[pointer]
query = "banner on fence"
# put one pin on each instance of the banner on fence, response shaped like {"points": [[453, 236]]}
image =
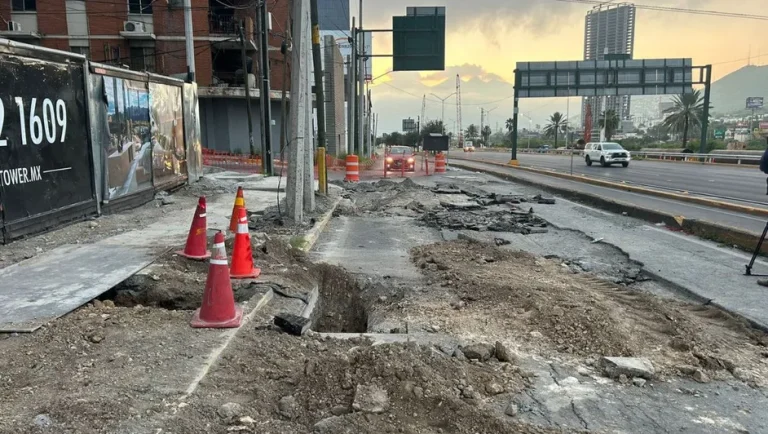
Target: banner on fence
{"points": [[44, 151], [169, 156]]}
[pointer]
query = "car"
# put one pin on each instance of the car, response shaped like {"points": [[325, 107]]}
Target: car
{"points": [[400, 158], [469, 148], [606, 153], [543, 149]]}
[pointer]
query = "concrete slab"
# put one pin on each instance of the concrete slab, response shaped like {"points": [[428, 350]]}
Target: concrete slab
{"points": [[50, 285]]}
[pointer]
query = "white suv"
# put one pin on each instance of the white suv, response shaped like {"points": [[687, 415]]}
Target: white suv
{"points": [[606, 153]]}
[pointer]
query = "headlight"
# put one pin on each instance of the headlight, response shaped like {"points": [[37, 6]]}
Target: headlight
{"points": [[389, 159], [410, 160]]}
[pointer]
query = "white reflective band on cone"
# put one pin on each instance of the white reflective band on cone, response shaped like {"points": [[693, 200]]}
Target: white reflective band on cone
{"points": [[352, 164], [219, 262], [218, 246], [242, 228], [352, 173], [202, 215]]}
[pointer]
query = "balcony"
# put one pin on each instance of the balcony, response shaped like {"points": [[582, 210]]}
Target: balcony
{"points": [[224, 31]]}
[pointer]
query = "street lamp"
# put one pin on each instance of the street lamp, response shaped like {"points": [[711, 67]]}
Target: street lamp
{"points": [[442, 114], [530, 127]]}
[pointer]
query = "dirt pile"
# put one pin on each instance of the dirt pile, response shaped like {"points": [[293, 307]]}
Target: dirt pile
{"points": [[542, 303], [299, 385]]}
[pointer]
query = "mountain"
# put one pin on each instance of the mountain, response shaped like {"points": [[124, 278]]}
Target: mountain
{"points": [[729, 94]]}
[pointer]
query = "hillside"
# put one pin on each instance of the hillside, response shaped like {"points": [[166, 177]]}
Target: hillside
{"points": [[729, 94]]}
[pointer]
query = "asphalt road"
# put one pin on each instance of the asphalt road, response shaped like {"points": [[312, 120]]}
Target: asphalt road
{"points": [[734, 183]]}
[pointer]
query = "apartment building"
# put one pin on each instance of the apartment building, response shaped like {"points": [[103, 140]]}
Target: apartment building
{"points": [[148, 35]]}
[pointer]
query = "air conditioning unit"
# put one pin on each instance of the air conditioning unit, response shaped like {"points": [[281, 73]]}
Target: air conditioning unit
{"points": [[14, 26], [134, 26]]}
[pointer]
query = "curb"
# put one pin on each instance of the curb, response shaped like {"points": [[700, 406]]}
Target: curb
{"points": [[701, 228], [314, 234], [760, 212]]}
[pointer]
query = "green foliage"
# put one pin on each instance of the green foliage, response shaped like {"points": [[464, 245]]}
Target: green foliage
{"points": [[556, 124], [472, 132], [687, 113]]}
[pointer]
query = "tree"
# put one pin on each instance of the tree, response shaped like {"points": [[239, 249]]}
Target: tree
{"points": [[510, 125], [610, 122], [411, 139], [472, 132], [556, 123], [487, 134], [687, 112], [431, 127], [393, 139]]}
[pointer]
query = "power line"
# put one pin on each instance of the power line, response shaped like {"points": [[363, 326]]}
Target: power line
{"points": [[680, 10]]}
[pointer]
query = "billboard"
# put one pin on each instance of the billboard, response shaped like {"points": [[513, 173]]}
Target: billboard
{"points": [[754, 102], [45, 159], [333, 14], [410, 125]]}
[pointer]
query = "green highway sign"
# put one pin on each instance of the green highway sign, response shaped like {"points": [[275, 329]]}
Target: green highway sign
{"points": [[720, 134], [418, 40]]}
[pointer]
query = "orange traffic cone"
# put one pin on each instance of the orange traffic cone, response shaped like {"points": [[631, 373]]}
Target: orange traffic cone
{"points": [[239, 204], [218, 309], [242, 255], [197, 240]]}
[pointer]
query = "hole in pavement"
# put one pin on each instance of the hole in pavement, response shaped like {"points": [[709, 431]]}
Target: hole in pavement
{"points": [[340, 308], [174, 283]]}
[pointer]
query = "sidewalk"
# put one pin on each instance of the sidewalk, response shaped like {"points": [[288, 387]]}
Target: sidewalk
{"points": [[53, 283]]}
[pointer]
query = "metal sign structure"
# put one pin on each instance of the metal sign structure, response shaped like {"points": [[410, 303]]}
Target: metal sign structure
{"points": [[613, 77], [418, 40], [754, 102]]}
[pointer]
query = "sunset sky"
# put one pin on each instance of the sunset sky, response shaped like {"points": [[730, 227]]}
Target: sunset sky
{"points": [[485, 38]]}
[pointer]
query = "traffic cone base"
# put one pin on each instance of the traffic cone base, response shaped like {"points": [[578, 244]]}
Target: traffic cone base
{"points": [[255, 272], [197, 258], [235, 322]]}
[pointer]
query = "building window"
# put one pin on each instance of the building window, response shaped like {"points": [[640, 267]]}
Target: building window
{"points": [[85, 51], [24, 5], [140, 7], [143, 59]]}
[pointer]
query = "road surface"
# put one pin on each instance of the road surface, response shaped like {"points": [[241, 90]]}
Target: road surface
{"points": [[739, 184]]}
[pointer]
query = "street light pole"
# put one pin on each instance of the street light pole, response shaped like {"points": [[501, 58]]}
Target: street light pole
{"points": [[442, 114]]}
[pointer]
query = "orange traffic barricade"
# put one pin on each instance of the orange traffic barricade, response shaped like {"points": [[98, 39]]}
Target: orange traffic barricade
{"points": [[440, 163], [353, 169]]}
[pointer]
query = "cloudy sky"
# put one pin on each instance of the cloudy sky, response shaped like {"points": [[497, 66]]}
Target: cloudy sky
{"points": [[485, 38]]}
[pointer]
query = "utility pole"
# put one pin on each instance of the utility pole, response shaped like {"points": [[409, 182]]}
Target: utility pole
{"points": [[251, 147], [351, 95], [188, 36], [361, 82], [294, 190], [368, 122], [258, 78], [482, 120], [318, 68], [265, 87]]}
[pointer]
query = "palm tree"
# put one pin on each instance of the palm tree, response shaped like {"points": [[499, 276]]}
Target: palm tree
{"points": [[610, 122], [472, 132], [687, 112], [556, 123], [510, 125]]}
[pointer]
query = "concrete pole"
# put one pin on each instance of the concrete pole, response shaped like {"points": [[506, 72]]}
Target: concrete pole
{"points": [[188, 36], [309, 148], [361, 82], [350, 105], [294, 190]]}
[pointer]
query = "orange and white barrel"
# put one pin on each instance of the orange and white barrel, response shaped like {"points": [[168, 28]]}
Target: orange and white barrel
{"points": [[440, 163], [353, 169]]}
